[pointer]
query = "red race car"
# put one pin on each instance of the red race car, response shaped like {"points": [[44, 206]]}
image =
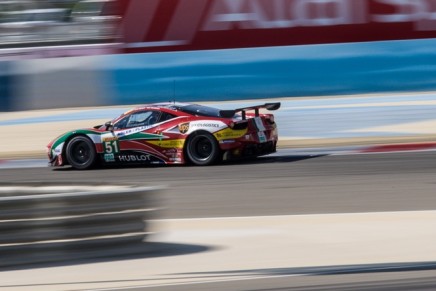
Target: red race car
{"points": [[170, 133]]}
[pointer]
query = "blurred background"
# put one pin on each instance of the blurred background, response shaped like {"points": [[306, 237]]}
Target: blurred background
{"points": [[40, 23], [350, 74], [110, 52]]}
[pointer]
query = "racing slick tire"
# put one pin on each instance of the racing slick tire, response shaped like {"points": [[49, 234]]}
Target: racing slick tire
{"points": [[80, 153], [202, 149]]}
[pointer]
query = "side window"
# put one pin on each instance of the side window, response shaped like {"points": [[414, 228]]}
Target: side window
{"points": [[143, 118], [137, 119], [121, 123], [166, 116]]}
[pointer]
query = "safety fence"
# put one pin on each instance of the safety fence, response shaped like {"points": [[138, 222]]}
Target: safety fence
{"points": [[51, 222]]}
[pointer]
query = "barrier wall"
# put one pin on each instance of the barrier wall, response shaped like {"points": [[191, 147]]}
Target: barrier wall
{"points": [[5, 86], [212, 75], [51, 222], [59, 83], [309, 70]]}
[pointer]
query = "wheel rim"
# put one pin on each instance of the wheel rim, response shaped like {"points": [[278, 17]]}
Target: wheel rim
{"points": [[80, 152], [201, 148]]}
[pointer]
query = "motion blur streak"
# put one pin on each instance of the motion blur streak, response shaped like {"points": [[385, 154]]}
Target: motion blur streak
{"points": [[350, 218], [307, 215]]}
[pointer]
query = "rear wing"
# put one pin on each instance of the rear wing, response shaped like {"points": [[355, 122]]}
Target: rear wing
{"points": [[231, 113]]}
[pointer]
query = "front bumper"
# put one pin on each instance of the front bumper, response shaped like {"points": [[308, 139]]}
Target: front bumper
{"points": [[55, 160]]}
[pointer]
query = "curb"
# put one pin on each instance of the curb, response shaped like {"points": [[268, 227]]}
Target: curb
{"points": [[400, 147]]}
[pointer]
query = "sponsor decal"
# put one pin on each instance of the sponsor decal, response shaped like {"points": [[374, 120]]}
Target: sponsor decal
{"points": [[229, 133], [227, 141], [215, 125], [109, 157], [134, 130], [110, 138], [173, 144], [134, 158], [170, 151], [262, 136], [211, 126], [184, 127], [173, 155]]}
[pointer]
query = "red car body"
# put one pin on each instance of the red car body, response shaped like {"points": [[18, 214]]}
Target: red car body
{"points": [[170, 133]]}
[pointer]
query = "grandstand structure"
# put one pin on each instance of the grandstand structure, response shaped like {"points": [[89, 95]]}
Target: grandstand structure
{"points": [[46, 23]]}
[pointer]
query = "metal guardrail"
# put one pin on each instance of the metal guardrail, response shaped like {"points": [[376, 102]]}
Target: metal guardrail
{"points": [[42, 222]]}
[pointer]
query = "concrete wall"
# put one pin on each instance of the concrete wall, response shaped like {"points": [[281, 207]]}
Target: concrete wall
{"points": [[58, 82], [309, 70]]}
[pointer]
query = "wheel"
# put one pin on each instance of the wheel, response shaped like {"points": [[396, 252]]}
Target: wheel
{"points": [[202, 149], [81, 153]]}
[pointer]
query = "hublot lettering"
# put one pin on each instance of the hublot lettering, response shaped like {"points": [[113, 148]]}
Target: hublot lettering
{"points": [[134, 158]]}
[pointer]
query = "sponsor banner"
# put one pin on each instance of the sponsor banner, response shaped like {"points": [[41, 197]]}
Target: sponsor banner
{"points": [[180, 25]]}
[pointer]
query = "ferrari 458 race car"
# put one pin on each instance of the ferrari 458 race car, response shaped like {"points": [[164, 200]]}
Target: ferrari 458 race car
{"points": [[170, 133]]}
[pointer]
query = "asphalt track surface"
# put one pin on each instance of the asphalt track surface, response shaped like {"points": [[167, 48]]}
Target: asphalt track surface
{"points": [[286, 185], [275, 185]]}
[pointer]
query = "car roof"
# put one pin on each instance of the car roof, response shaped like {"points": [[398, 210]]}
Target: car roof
{"points": [[187, 108]]}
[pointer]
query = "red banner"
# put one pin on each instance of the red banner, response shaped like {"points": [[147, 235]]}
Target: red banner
{"points": [[175, 25]]}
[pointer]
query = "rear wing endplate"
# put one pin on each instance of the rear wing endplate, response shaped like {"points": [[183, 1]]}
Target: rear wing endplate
{"points": [[268, 106]]}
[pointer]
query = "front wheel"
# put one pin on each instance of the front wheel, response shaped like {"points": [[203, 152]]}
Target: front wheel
{"points": [[81, 153], [202, 149]]}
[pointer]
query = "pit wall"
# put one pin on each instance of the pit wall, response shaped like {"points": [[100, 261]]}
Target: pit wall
{"points": [[214, 75]]}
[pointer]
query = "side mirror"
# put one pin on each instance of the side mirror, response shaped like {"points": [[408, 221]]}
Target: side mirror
{"points": [[109, 126]]}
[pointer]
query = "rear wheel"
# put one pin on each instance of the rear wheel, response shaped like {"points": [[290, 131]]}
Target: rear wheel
{"points": [[202, 149], [80, 153]]}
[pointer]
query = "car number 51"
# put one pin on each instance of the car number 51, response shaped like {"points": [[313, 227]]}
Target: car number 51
{"points": [[111, 147]]}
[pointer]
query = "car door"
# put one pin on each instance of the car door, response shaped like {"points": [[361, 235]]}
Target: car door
{"points": [[132, 134]]}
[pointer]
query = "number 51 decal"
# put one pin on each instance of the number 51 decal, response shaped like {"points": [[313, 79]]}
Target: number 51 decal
{"points": [[111, 147]]}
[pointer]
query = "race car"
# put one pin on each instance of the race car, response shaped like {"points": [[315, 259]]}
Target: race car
{"points": [[170, 133]]}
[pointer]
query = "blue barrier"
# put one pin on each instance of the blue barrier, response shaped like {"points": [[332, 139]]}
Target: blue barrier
{"points": [[5, 86], [219, 75], [310, 70]]}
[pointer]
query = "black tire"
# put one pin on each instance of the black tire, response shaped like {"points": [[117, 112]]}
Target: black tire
{"points": [[202, 149], [80, 153]]}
